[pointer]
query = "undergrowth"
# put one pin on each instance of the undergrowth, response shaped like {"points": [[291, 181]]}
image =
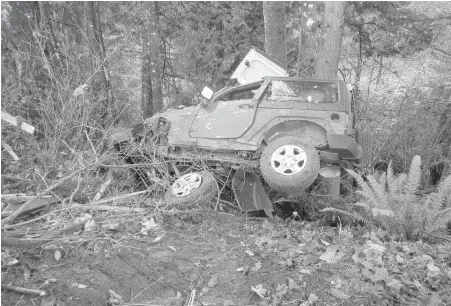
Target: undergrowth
{"points": [[392, 203]]}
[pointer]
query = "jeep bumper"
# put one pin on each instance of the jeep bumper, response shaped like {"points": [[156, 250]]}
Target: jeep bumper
{"points": [[345, 146]]}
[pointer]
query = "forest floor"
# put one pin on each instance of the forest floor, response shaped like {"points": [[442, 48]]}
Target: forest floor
{"points": [[228, 259]]}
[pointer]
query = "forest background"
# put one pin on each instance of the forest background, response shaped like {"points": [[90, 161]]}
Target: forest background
{"points": [[80, 70]]}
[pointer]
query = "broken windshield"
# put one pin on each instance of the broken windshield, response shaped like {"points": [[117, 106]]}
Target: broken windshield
{"points": [[311, 92]]}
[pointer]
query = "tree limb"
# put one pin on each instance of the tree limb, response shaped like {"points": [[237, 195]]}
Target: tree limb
{"points": [[15, 214]]}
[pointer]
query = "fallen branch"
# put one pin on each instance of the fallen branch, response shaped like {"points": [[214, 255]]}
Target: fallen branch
{"points": [[36, 243], [104, 186], [71, 197], [17, 198], [23, 290], [12, 178], [110, 208], [230, 204], [10, 151], [118, 197], [13, 121], [92, 205], [34, 206], [15, 214]]}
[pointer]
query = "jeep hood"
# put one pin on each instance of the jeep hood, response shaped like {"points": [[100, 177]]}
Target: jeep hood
{"points": [[256, 65], [180, 120]]}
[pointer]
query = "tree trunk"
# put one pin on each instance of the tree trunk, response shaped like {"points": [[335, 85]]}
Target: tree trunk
{"points": [[146, 79], [79, 23], [330, 45], [308, 41], [275, 38], [102, 81], [151, 66]]}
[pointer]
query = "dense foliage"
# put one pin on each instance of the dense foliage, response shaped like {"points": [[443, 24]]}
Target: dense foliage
{"points": [[73, 67]]}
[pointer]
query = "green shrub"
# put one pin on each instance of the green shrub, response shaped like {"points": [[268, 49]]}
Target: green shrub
{"points": [[392, 204]]}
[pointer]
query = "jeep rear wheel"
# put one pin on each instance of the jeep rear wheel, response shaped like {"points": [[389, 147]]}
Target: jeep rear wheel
{"points": [[290, 165]]}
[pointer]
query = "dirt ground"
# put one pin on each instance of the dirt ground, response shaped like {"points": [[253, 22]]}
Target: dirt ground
{"points": [[220, 255], [227, 258]]}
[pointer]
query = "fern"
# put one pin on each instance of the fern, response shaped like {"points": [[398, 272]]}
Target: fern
{"points": [[392, 203], [399, 183], [414, 178], [366, 190], [378, 191], [444, 193], [438, 206], [391, 180], [439, 221]]}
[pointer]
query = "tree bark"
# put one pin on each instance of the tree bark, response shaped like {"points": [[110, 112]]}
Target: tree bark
{"points": [[152, 95], [330, 42], [146, 79], [275, 36], [79, 23], [102, 81], [308, 41]]}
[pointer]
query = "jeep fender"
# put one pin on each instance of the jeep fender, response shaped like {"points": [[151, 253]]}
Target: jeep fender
{"points": [[312, 132]]}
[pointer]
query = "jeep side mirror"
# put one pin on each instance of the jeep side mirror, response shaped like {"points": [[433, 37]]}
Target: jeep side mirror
{"points": [[207, 93]]}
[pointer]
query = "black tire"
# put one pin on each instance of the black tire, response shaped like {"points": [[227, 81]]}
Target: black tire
{"points": [[295, 183], [203, 194], [365, 139]]}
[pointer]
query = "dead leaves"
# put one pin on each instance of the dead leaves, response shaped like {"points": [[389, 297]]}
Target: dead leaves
{"points": [[332, 254]]}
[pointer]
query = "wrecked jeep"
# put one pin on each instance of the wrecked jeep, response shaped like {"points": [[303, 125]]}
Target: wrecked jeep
{"points": [[281, 127]]}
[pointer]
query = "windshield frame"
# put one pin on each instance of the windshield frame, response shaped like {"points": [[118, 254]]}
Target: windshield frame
{"points": [[227, 90]]}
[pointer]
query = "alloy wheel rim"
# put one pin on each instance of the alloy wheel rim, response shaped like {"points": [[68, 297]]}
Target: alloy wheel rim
{"points": [[186, 184], [288, 160]]}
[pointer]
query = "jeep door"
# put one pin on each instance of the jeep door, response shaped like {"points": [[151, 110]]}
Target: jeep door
{"points": [[227, 115]]}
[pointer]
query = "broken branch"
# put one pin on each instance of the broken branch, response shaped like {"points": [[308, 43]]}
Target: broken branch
{"points": [[10, 150], [14, 121], [104, 186], [15, 214], [87, 206], [23, 290]]}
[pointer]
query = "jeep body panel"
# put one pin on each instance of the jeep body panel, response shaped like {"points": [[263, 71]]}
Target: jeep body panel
{"points": [[244, 124], [228, 119], [180, 123]]}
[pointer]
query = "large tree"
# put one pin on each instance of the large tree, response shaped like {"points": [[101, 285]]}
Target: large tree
{"points": [[275, 35], [152, 95], [330, 42], [100, 65]]}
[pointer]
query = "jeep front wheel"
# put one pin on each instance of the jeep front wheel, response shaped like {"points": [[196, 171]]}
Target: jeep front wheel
{"points": [[289, 165], [192, 189]]}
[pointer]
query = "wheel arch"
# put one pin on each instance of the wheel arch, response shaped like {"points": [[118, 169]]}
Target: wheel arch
{"points": [[312, 132]]}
